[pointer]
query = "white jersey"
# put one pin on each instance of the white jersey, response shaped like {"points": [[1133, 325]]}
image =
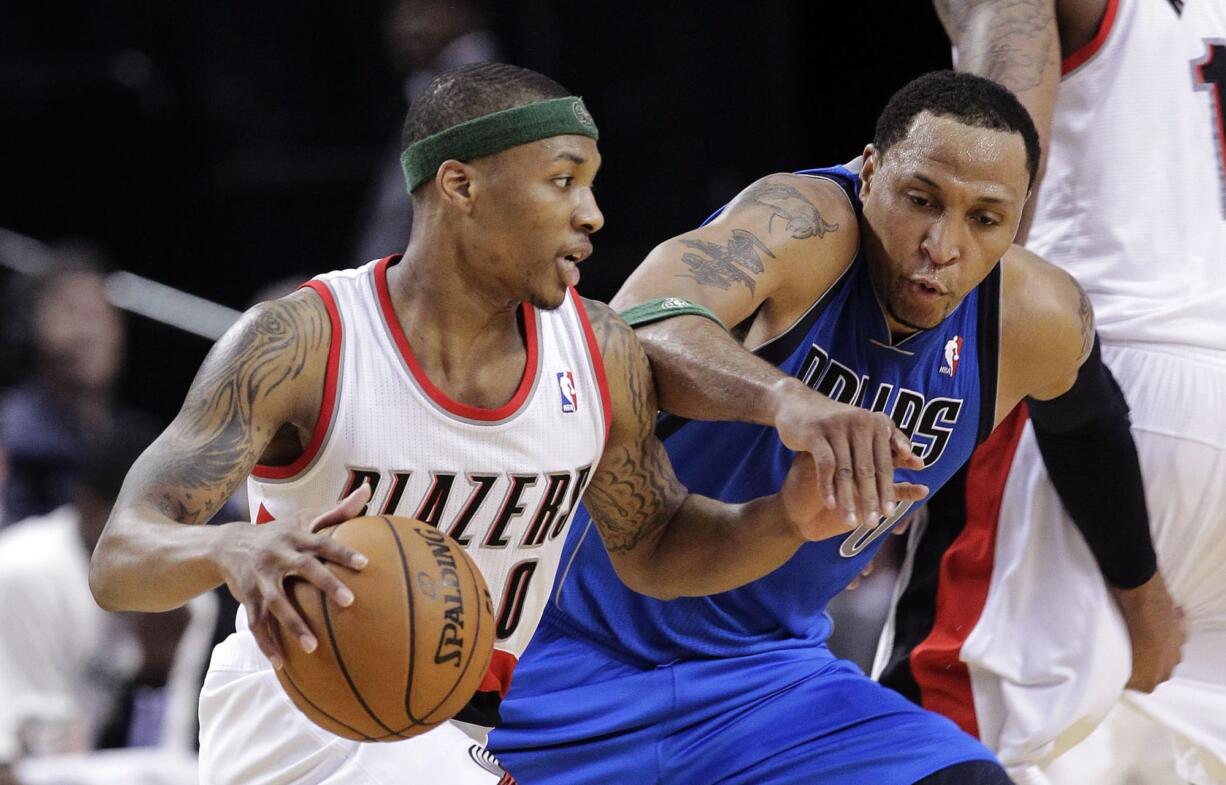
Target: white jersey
{"points": [[1134, 200], [503, 482]]}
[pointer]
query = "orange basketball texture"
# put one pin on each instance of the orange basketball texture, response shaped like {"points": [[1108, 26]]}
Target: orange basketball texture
{"points": [[412, 648]]}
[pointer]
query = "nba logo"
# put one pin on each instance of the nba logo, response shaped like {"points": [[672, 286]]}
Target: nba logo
{"points": [[566, 386], [953, 353]]}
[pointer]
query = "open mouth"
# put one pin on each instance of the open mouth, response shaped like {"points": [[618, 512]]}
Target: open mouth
{"points": [[577, 253], [568, 265], [926, 288]]}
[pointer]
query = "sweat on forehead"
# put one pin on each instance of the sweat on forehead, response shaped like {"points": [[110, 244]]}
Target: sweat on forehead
{"points": [[942, 144], [965, 98]]}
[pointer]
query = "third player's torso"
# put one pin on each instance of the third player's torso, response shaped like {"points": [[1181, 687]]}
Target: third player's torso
{"points": [[1134, 200]]}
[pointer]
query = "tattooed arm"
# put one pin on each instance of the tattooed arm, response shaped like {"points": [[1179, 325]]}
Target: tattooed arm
{"points": [[664, 541], [1016, 43], [781, 243], [264, 378], [763, 263]]}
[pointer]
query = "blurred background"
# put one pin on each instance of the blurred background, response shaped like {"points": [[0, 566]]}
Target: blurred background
{"points": [[231, 150], [222, 146]]}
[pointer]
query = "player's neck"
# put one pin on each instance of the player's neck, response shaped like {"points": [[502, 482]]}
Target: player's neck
{"points": [[437, 282], [898, 330], [452, 325]]}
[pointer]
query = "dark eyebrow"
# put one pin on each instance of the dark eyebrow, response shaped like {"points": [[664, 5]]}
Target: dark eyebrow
{"points": [[572, 157], [931, 183]]}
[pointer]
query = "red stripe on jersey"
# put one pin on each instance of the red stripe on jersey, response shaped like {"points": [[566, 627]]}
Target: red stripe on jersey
{"points": [[963, 580], [593, 347], [1090, 48], [262, 515], [438, 396], [498, 676], [328, 403]]}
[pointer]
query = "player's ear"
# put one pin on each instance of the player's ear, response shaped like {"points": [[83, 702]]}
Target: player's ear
{"points": [[868, 168], [454, 180]]}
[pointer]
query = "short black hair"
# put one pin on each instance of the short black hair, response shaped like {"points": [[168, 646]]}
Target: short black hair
{"points": [[470, 91], [969, 99]]}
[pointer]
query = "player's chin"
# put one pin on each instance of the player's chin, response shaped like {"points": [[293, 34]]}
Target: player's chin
{"points": [[919, 317], [548, 300]]}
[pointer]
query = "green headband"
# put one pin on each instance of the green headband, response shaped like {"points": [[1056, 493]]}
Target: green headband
{"points": [[495, 132]]}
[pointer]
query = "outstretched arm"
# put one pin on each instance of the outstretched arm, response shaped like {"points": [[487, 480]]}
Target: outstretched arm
{"points": [[1080, 421], [265, 373], [664, 541], [764, 262]]}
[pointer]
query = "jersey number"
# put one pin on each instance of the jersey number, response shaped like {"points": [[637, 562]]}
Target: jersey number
{"points": [[1209, 74], [865, 534]]}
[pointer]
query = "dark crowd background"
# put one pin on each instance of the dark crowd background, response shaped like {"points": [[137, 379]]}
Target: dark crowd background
{"points": [[219, 146]]}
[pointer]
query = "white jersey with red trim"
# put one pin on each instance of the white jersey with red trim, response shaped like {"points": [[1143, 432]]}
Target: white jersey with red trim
{"points": [[1133, 203], [503, 482]]}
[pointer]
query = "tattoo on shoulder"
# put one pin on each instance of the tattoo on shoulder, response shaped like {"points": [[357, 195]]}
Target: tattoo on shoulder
{"points": [[607, 326], [1004, 53], [744, 256], [634, 491], [1085, 313], [214, 441], [801, 217]]}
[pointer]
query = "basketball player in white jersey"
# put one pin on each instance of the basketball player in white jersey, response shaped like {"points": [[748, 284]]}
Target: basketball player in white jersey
{"points": [[464, 383], [1129, 97]]}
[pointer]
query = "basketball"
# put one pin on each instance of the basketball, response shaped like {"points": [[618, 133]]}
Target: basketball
{"points": [[412, 648]]}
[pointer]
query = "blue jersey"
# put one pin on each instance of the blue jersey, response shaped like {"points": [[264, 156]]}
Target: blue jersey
{"points": [[938, 385]]}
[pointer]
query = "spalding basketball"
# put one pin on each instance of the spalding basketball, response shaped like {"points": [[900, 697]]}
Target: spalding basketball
{"points": [[411, 649]]}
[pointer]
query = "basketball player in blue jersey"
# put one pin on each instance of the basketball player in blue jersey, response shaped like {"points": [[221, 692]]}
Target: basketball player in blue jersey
{"points": [[889, 285]]}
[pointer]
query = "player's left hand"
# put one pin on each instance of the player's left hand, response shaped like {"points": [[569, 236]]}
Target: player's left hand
{"points": [[806, 508], [1157, 629]]}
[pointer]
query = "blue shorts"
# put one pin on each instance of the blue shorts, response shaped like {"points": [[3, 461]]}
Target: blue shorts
{"points": [[575, 715]]}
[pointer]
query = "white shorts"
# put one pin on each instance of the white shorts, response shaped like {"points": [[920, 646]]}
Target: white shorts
{"points": [[251, 734], [1049, 656]]}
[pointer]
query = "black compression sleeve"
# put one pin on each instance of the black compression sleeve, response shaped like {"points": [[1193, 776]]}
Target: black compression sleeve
{"points": [[1087, 446]]}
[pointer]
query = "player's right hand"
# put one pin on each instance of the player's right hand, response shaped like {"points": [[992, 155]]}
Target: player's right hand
{"points": [[1156, 629], [855, 451], [256, 560]]}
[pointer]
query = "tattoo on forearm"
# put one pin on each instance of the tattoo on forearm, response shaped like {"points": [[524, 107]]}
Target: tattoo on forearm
{"points": [[213, 441], [1011, 47], [720, 265], [634, 492], [801, 218]]}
